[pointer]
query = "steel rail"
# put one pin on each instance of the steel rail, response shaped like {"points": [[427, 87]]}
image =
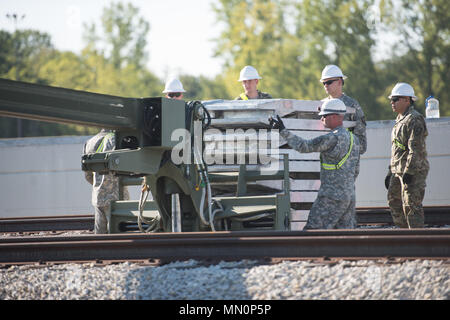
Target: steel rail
{"points": [[437, 215], [415, 243], [365, 216], [47, 223]]}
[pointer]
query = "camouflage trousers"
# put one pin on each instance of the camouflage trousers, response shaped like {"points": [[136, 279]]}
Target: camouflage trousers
{"points": [[327, 213], [405, 201], [102, 219]]}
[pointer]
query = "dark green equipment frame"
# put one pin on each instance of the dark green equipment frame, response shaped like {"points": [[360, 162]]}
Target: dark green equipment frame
{"points": [[143, 129]]}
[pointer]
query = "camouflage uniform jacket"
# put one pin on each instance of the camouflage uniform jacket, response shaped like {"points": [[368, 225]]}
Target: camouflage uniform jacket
{"points": [[261, 95], [360, 121], [105, 187], [338, 184], [409, 153]]}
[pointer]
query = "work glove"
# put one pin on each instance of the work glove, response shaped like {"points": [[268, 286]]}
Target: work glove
{"points": [[387, 180], [276, 123], [407, 178]]}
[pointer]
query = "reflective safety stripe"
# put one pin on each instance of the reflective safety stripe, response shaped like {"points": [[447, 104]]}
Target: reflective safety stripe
{"points": [[101, 147], [243, 96], [399, 144], [327, 166]]}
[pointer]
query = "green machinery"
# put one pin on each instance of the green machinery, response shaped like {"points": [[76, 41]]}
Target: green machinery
{"points": [[183, 200]]}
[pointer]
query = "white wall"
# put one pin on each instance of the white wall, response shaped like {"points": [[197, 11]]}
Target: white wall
{"points": [[370, 190], [43, 176]]}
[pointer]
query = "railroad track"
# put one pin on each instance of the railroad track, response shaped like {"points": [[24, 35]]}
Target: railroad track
{"points": [[366, 216], [380, 243], [433, 216], [48, 223]]}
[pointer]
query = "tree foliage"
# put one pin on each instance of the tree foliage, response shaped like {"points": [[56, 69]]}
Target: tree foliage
{"points": [[254, 35], [288, 41], [423, 52], [29, 55], [123, 37]]}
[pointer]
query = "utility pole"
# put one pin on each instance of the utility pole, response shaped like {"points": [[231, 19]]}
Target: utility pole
{"points": [[15, 18]]}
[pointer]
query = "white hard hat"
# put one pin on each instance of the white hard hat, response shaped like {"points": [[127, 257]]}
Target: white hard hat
{"points": [[248, 73], [331, 106], [332, 71], [173, 85], [403, 89]]}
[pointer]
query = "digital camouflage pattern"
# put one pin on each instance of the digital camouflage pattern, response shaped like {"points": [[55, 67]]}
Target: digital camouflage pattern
{"points": [[328, 213], [360, 121], [105, 188], [335, 203], [408, 155], [102, 217], [261, 95]]}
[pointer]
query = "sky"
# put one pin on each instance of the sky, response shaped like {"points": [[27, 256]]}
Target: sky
{"points": [[180, 40]]}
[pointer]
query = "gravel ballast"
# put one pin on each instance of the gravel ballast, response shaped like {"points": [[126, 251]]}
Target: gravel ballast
{"points": [[355, 280]]}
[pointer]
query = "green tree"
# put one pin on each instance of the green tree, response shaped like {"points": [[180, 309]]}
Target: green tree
{"points": [[290, 42], [124, 36], [422, 51], [22, 54], [113, 62], [116, 57], [339, 32], [129, 81], [253, 35], [203, 88], [65, 69]]}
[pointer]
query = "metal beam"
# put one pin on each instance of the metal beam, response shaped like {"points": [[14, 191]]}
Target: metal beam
{"points": [[416, 243], [45, 103]]}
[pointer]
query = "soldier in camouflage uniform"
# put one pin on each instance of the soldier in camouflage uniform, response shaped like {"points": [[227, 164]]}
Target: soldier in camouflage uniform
{"points": [[334, 207], [250, 79], [105, 188], [409, 165], [333, 81]]}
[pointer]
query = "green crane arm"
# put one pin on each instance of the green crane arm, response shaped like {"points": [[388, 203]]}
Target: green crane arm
{"points": [[46, 103]]}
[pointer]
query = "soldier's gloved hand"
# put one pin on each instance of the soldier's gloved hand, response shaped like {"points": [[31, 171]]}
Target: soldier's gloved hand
{"points": [[387, 181], [276, 123], [407, 178]]}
